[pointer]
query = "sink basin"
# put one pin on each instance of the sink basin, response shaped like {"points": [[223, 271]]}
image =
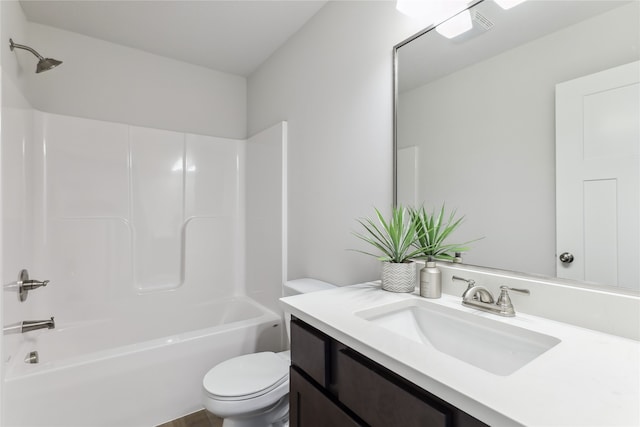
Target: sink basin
{"points": [[494, 346]]}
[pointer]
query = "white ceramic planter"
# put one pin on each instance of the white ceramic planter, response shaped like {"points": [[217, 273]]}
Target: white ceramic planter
{"points": [[398, 277]]}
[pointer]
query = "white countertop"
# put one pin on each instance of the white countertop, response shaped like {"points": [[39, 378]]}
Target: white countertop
{"points": [[589, 379]]}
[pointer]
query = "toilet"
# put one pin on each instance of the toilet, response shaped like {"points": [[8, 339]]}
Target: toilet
{"points": [[252, 390]]}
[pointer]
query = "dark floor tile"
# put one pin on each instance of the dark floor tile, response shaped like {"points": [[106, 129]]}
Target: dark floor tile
{"points": [[197, 419]]}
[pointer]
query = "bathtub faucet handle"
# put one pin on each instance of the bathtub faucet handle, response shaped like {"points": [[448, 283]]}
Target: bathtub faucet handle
{"points": [[25, 284], [34, 284]]}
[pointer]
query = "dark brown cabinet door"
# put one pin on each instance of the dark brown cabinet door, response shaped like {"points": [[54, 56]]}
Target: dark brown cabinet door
{"points": [[381, 402], [309, 351], [309, 407]]}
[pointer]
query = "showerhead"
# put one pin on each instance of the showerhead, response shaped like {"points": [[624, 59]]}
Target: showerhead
{"points": [[47, 64], [44, 64]]}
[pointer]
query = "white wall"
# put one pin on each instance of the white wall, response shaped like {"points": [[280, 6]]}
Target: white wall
{"points": [[13, 25], [486, 138], [106, 81], [332, 82]]}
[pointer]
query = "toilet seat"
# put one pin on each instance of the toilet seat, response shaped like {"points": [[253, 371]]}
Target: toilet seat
{"points": [[247, 385], [246, 377]]}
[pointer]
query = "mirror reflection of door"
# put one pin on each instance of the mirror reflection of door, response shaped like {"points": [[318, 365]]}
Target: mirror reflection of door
{"points": [[598, 183]]}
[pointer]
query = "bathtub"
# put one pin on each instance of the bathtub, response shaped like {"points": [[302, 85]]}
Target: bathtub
{"points": [[131, 371]]}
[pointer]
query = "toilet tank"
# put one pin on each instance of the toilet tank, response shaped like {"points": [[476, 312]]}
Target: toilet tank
{"points": [[301, 286]]}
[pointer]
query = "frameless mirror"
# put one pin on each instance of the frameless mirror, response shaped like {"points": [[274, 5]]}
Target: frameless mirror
{"points": [[528, 125]]}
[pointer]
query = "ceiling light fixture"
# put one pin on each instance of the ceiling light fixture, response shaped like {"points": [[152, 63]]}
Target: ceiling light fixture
{"points": [[508, 4], [461, 23]]}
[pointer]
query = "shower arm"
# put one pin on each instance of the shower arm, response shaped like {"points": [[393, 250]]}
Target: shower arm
{"points": [[13, 45]]}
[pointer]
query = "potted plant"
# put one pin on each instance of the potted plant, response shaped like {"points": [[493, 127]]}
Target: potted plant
{"points": [[395, 239]]}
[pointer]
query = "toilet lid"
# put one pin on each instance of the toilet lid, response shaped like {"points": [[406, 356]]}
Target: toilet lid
{"points": [[247, 376]]}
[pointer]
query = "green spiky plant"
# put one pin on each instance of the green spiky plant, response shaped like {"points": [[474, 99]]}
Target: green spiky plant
{"points": [[395, 238], [432, 229]]}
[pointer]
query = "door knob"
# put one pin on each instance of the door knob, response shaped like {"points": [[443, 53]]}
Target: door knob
{"points": [[566, 257]]}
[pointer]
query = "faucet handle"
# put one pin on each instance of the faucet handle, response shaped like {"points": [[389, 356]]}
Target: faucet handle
{"points": [[504, 301], [25, 284], [34, 284], [504, 289], [470, 282]]}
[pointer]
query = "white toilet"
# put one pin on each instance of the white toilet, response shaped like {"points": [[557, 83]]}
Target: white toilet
{"points": [[253, 390]]}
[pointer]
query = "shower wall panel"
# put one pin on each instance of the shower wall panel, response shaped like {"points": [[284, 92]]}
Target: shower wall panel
{"points": [[133, 217], [214, 222], [17, 181], [157, 208], [266, 218]]}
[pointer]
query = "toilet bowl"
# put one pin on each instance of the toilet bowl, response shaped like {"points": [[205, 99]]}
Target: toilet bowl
{"points": [[252, 390]]}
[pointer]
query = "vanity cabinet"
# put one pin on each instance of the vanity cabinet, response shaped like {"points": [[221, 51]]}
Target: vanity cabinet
{"points": [[334, 385]]}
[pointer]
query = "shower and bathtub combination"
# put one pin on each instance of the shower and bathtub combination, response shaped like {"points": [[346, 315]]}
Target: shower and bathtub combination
{"points": [[145, 238]]}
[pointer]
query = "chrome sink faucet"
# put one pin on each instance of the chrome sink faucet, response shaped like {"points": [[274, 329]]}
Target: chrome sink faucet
{"points": [[480, 297], [475, 293]]}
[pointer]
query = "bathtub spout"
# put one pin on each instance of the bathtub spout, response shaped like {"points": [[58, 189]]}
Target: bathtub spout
{"points": [[30, 325]]}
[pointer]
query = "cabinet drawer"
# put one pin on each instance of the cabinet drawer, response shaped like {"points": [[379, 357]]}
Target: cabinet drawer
{"points": [[380, 400], [309, 407], [310, 351]]}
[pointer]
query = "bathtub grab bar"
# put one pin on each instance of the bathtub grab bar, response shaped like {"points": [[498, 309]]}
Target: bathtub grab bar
{"points": [[29, 325]]}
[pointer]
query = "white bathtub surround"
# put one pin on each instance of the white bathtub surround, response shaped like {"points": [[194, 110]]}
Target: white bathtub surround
{"points": [[131, 371], [588, 379], [123, 210], [266, 214], [124, 213], [17, 211]]}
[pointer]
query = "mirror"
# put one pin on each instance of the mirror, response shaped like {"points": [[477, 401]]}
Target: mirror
{"points": [[475, 128]]}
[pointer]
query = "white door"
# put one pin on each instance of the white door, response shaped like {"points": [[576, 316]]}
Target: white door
{"points": [[597, 177]]}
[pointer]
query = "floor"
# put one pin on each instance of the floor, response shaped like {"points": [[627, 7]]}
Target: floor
{"points": [[197, 419]]}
